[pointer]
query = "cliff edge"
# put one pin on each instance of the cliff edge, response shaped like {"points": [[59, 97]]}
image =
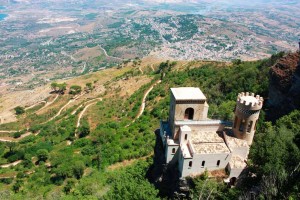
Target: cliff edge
{"points": [[284, 88]]}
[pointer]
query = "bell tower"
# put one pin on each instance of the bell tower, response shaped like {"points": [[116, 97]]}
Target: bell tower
{"points": [[246, 115]]}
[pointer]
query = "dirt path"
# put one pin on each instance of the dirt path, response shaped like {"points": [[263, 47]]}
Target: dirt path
{"points": [[84, 110], [10, 131], [62, 108], [141, 70], [49, 103], [105, 53], [125, 163], [11, 139], [73, 113], [142, 108], [84, 66], [45, 102], [152, 67], [11, 164]]}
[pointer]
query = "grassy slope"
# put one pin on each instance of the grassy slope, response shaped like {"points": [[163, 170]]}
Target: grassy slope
{"points": [[85, 160]]}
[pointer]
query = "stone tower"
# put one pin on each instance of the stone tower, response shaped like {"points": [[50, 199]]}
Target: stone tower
{"points": [[186, 104], [246, 114]]}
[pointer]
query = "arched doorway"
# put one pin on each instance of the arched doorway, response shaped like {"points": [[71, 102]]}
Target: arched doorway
{"points": [[189, 114]]}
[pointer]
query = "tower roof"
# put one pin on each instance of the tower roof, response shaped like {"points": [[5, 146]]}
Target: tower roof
{"points": [[188, 93], [249, 99]]}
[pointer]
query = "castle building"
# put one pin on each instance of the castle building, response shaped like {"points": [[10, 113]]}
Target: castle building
{"points": [[195, 143]]}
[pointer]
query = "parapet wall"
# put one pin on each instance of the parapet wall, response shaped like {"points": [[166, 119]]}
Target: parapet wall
{"points": [[248, 101]]}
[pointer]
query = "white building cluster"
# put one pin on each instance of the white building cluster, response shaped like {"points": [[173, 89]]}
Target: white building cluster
{"points": [[195, 143]]}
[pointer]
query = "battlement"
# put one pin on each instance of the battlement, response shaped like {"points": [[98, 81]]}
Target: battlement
{"points": [[248, 101]]}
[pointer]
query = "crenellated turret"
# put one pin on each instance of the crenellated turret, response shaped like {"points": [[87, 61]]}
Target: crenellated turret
{"points": [[247, 111], [249, 101]]}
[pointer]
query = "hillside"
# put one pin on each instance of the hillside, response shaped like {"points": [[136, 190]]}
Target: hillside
{"points": [[72, 146]]}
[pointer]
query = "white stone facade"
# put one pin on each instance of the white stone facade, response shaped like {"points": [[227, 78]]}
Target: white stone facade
{"points": [[196, 143]]}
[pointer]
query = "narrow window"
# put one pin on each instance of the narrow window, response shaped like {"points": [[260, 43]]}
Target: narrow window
{"points": [[249, 126], [203, 163], [173, 150], [235, 122], [185, 137], [242, 125], [190, 163], [189, 113], [218, 163]]}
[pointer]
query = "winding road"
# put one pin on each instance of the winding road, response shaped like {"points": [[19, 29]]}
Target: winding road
{"points": [[105, 53]]}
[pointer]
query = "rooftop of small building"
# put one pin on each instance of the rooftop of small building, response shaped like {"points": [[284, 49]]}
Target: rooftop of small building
{"points": [[188, 93], [210, 148], [233, 142], [199, 136], [237, 162], [172, 142]]}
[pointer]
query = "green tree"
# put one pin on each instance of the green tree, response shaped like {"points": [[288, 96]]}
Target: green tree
{"points": [[19, 110], [12, 146], [42, 155], [69, 185], [54, 86], [75, 89], [18, 184], [62, 87], [78, 169], [84, 129]]}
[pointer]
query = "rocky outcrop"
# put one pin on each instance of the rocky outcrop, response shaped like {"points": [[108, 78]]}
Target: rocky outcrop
{"points": [[284, 89]]}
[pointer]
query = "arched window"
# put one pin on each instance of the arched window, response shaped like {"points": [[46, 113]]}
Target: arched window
{"points": [[185, 136], [242, 125], [173, 150], [190, 163], [189, 113], [249, 126]]}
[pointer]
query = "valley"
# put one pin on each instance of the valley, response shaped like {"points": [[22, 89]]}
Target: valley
{"points": [[58, 42]]}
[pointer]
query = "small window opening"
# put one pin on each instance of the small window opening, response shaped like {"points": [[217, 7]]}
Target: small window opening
{"points": [[218, 163], [203, 164], [242, 125], [190, 163], [185, 137], [249, 126], [173, 150], [235, 122]]}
